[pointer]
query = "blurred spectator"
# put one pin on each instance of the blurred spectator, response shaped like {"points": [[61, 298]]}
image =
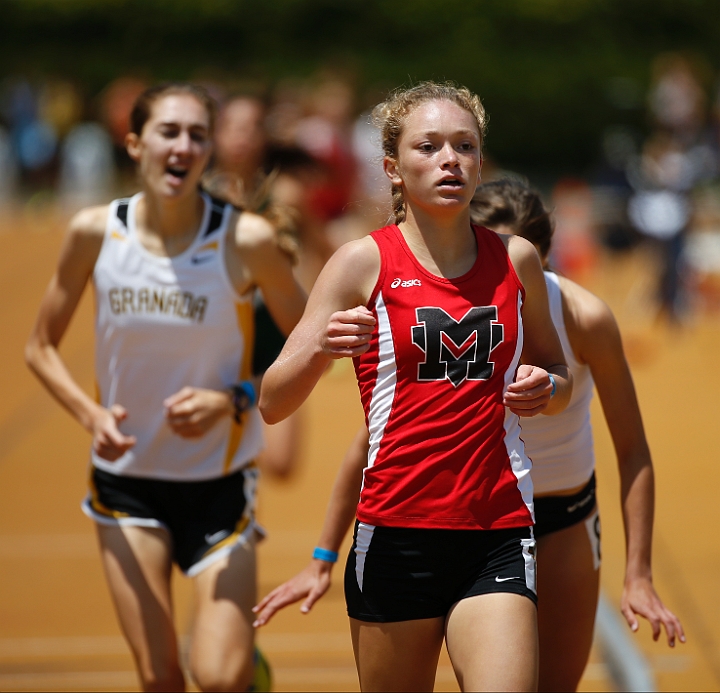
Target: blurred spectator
{"points": [[677, 100], [87, 168], [650, 195], [8, 169], [60, 106], [574, 249], [48, 149], [660, 209], [34, 140], [373, 185], [286, 112], [310, 144], [19, 105], [116, 102], [611, 190], [240, 148], [253, 174], [326, 135], [36, 144], [715, 121]]}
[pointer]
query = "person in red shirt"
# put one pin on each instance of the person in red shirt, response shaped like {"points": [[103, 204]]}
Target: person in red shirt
{"points": [[443, 320], [567, 523]]}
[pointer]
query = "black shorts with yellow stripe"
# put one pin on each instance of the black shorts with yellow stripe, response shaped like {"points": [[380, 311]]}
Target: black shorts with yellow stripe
{"points": [[205, 519]]}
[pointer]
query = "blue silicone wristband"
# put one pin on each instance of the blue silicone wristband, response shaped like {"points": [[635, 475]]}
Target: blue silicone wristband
{"points": [[554, 384], [325, 555], [249, 390], [243, 398]]}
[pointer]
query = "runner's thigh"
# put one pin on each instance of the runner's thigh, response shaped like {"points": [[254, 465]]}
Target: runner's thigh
{"points": [[399, 656], [568, 583], [492, 642], [137, 563], [221, 656]]}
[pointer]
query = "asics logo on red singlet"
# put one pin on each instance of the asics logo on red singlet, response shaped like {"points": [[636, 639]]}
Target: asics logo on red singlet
{"points": [[457, 350], [404, 283]]}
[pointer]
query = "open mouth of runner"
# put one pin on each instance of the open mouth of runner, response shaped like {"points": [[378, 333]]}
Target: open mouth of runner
{"points": [[451, 184], [177, 172]]}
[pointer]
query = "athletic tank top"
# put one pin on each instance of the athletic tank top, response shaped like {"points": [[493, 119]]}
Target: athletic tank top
{"points": [[163, 323], [561, 446], [444, 451]]}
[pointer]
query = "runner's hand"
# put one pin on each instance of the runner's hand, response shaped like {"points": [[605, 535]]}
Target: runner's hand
{"points": [[639, 597], [193, 411], [108, 442], [530, 393], [312, 583], [348, 333]]}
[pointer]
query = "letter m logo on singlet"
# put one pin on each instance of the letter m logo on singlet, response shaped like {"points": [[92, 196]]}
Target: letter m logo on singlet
{"points": [[457, 350]]}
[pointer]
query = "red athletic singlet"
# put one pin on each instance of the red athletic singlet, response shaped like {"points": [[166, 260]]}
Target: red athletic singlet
{"points": [[444, 451]]}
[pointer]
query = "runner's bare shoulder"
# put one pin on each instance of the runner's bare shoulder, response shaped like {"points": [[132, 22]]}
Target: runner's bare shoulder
{"points": [[85, 235], [588, 319]]}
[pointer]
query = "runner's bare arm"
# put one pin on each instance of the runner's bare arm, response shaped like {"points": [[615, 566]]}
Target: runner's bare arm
{"points": [[313, 582], [596, 339], [346, 282], [79, 253], [270, 269], [542, 354]]}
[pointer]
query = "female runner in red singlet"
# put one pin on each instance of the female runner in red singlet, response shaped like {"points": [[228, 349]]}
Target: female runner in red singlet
{"points": [[566, 515], [445, 313]]}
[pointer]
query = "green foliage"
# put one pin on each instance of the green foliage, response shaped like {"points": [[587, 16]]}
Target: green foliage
{"points": [[544, 68]]}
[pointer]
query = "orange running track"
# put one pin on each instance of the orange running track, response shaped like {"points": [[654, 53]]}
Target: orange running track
{"points": [[57, 626]]}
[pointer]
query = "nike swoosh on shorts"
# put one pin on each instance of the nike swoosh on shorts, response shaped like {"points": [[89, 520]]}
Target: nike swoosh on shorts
{"points": [[217, 536]]}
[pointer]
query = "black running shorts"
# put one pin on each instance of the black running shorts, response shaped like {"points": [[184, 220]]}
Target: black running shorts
{"points": [[205, 519], [553, 513], [400, 574]]}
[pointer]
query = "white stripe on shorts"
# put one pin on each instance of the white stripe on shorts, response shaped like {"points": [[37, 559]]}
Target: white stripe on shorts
{"points": [[528, 551], [592, 525], [362, 544]]}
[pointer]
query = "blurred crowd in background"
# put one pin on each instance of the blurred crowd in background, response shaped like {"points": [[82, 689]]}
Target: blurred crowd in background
{"points": [[306, 150]]}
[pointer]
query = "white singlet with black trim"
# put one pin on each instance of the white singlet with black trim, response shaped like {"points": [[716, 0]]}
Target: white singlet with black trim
{"points": [[561, 446], [163, 323]]}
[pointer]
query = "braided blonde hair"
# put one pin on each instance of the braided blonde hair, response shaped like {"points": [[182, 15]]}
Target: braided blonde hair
{"points": [[390, 115]]}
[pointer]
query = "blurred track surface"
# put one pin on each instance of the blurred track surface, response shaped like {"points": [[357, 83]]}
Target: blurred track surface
{"points": [[57, 626]]}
